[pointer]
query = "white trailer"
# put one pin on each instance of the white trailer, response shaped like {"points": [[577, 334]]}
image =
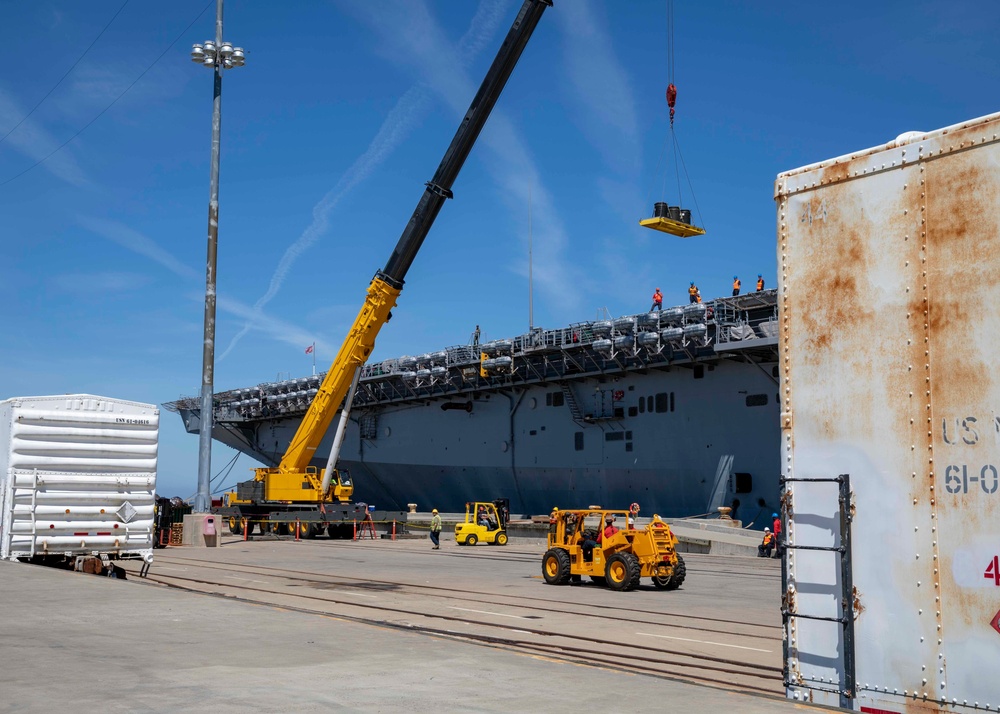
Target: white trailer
{"points": [[889, 313], [77, 477]]}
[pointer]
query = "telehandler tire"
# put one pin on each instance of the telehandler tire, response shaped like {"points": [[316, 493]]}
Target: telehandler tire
{"points": [[674, 581], [623, 571], [234, 526], [555, 566]]}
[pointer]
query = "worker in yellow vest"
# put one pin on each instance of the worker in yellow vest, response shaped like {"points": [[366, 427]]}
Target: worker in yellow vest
{"points": [[736, 285], [693, 293], [760, 282]]}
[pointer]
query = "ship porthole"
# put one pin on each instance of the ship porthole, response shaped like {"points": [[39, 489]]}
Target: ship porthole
{"points": [[504, 446], [532, 403], [387, 431]]}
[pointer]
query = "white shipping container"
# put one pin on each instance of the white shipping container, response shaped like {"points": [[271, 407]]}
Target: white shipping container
{"points": [[889, 315], [77, 476]]}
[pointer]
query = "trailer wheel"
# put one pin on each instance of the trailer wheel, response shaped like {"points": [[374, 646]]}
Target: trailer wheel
{"points": [[501, 538], [555, 566], [472, 539], [674, 581], [622, 571], [234, 526]]}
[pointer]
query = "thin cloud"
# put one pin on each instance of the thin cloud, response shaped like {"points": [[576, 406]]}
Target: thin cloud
{"points": [[99, 282], [394, 129], [484, 25], [426, 49], [272, 327], [600, 85], [34, 142], [135, 241], [397, 125]]}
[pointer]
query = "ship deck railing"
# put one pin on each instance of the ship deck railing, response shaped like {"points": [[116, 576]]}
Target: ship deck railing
{"points": [[744, 324]]}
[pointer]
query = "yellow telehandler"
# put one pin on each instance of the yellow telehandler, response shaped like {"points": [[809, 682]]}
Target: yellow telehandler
{"points": [[588, 542]]}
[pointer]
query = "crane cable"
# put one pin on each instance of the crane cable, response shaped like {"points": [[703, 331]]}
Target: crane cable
{"points": [[671, 97], [672, 92]]}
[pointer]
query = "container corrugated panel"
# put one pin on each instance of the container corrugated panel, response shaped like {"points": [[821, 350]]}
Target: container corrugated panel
{"points": [[78, 476], [890, 337]]}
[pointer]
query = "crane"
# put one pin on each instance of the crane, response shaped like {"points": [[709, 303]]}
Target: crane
{"points": [[294, 479]]}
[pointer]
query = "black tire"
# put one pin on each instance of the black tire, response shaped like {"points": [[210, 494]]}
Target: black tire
{"points": [[501, 538], [674, 581], [622, 572], [234, 526], [555, 566], [599, 579], [471, 539]]}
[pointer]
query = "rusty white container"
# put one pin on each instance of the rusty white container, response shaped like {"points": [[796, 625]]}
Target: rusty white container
{"points": [[77, 477], [889, 326]]}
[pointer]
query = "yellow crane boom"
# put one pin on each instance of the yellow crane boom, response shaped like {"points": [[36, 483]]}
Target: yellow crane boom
{"points": [[294, 479]]}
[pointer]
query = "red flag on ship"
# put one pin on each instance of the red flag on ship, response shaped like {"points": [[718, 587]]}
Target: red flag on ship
{"points": [[310, 348]]}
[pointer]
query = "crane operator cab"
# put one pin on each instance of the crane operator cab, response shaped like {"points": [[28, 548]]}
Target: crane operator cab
{"points": [[484, 523]]}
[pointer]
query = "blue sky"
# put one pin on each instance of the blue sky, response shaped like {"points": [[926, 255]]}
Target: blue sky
{"points": [[343, 112]]}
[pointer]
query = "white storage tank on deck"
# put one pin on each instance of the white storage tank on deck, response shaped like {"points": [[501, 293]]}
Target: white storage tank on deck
{"points": [[77, 476]]}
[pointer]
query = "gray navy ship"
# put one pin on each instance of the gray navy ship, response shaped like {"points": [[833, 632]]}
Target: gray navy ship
{"points": [[675, 410]]}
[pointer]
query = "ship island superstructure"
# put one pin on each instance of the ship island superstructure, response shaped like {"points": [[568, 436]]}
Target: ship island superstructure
{"points": [[674, 409]]}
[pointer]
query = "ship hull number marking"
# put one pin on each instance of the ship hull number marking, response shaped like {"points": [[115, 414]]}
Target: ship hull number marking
{"points": [[964, 478]]}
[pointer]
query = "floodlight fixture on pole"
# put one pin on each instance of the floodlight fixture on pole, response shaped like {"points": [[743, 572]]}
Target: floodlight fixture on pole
{"points": [[216, 55]]}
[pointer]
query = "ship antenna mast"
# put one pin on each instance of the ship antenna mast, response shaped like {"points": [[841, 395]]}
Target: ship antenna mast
{"points": [[531, 307]]}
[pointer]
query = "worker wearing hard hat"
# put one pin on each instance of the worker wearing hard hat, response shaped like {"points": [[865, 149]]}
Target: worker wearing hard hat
{"points": [[435, 530], [657, 301], [693, 293], [736, 285], [767, 545], [760, 282]]}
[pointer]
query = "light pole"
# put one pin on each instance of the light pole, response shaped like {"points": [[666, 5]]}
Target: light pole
{"points": [[217, 55]]}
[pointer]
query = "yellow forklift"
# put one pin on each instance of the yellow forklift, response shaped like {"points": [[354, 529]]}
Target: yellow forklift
{"points": [[484, 523]]}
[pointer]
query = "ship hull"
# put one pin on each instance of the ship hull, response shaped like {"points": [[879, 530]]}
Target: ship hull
{"points": [[525, 444]]}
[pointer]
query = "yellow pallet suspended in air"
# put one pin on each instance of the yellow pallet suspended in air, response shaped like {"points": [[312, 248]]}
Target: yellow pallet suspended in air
{"points": [[668, 225]]}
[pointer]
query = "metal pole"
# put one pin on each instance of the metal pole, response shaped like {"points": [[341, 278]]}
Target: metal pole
{"points": [[202, 501], [847, 693]]}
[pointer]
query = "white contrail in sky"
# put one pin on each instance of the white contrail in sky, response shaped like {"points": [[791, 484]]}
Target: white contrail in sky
{"points": [[36, 143], [426, 50], [393, 131], [129, 238]]}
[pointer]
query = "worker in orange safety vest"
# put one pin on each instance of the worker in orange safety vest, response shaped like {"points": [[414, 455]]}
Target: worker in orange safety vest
{"points": [[693, 293], [657, 301], [767, 545], [736, 286], [760, 282]]}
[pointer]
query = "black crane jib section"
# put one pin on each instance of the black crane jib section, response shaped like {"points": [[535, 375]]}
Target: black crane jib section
{"points": [[439, 188]]}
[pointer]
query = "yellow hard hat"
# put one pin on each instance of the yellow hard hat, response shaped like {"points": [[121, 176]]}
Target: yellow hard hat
{"points": [[434, 510], [555, 509]]}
